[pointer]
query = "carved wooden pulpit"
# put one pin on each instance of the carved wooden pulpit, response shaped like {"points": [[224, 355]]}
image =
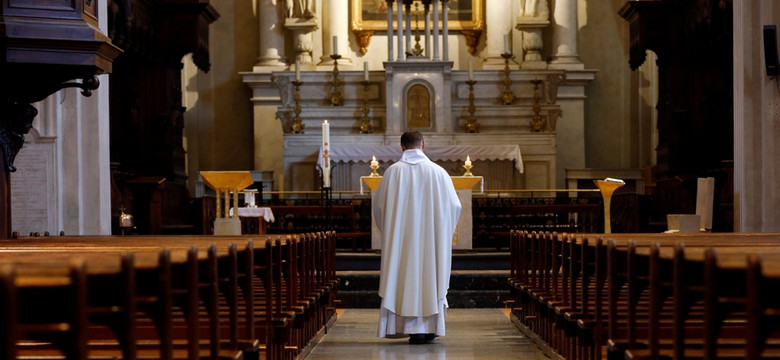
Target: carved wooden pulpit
{"points": [[44, 47]]}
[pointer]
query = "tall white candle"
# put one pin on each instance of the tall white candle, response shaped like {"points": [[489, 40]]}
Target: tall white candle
{"points": [[365, 70], [335, 44], [297, 70], [471, 71], [325, 154], [507, 45]]}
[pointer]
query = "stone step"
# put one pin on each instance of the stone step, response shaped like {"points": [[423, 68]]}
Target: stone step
{"points": [[468, 288], [460, 261]]}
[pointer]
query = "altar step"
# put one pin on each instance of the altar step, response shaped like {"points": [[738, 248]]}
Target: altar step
{"points": [[478, 280]]}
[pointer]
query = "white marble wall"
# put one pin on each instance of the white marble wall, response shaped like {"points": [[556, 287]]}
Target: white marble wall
{"points": [[70, 162], [34, 186]]}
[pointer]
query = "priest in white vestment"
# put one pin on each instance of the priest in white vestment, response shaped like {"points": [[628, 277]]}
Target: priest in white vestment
{"points": [[416, 210]]}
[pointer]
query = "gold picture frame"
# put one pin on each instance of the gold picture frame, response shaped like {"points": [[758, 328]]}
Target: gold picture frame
{"points": [[372, 15], [464, 16]]}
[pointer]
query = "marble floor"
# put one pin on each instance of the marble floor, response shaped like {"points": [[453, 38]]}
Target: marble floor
{"points": [[471, 334]]}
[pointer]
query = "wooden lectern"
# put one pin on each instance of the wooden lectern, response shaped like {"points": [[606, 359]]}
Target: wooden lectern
{"points": [[225, 183]]}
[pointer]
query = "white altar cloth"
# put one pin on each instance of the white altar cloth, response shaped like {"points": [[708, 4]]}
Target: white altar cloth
{"points": [[265, 212], [435, 153]]}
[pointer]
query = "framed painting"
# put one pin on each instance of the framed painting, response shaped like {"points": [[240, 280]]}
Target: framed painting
{"points": [[371, 15]]}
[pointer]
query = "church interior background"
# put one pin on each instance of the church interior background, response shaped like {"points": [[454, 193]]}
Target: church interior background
{"points": [[246, 85]]}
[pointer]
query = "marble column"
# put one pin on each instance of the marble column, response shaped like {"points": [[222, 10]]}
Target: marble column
{"points": [[436, 31], [444, 31], [565, 29], [390, 30], [271, 35], [500, 21], [334, 25], [427, 31], [400, 31]]}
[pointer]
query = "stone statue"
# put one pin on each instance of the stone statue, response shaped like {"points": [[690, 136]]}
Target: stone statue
{"points": [[300, 8], [535, 9]]}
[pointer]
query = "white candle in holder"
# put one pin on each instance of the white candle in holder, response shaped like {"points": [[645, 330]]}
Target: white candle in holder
{"points": [[471, 71], [297, 70], [468, 161], [335, 45], [374, 163], [365, 70], [325, 154], [507, 45]]}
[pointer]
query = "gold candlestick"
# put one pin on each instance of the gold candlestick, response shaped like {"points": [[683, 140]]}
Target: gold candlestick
{"points": [[298, 125], [536, 122], [468, 167], [365, 122], [472, 126], [335, 95], [374, 166], [509, 97]]}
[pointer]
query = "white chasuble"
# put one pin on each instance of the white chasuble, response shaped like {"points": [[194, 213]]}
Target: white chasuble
{"points": [[416, 210]]}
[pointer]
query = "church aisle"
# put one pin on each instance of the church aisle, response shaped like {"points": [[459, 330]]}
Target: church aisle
{"points": [[471, 334]]}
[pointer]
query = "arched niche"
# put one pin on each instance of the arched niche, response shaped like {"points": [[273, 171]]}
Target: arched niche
{"points": [[419, 107]]}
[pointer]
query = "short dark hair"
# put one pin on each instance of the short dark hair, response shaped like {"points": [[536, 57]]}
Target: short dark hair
{"points": [[412, 139]]}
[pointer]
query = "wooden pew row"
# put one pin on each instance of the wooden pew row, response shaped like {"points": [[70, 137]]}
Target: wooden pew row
{"points": [[170, 244], [277, 313], [562, 288], [322, 217], [321, 266], [179, 287], [698, 308]]}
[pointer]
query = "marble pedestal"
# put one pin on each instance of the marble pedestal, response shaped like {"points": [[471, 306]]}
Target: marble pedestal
{"points": [[227, 226]]}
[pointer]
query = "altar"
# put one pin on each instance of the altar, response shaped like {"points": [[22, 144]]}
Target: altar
{"points": [[464, 185], [501, 164]]}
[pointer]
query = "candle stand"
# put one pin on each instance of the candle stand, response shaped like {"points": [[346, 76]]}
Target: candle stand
{"points": [[468, 170], [607, 188], [365, 122], [335, 95], [472, 126], [509, 97]]}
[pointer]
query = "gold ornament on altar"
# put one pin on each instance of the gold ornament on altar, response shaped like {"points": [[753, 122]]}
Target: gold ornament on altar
{"points": [[374, 166], [467, 166]]}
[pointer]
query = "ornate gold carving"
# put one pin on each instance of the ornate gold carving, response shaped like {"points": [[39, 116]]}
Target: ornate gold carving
{"points": [[363, 39], [472, 39]]}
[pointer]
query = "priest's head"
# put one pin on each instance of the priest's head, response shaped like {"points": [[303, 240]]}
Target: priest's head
{"points": [[412, 140]]}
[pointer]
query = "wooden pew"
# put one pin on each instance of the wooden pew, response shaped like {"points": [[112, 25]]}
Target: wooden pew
{"points": [[631, 295], [321, 218], [229, 286]]}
